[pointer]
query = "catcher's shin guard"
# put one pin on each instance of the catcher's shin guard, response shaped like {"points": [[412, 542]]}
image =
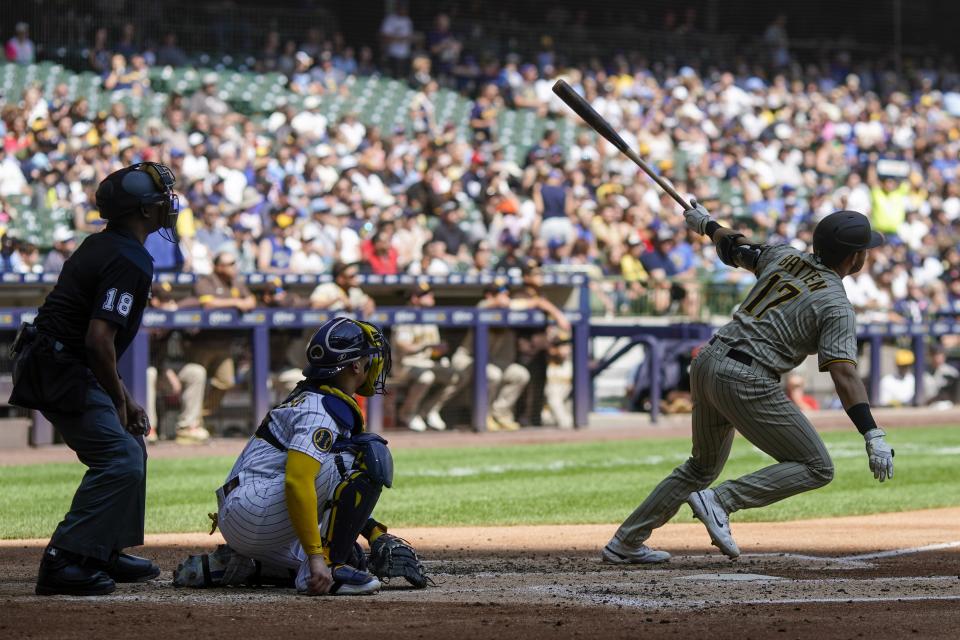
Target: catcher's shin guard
{"points": [[353, 502]]}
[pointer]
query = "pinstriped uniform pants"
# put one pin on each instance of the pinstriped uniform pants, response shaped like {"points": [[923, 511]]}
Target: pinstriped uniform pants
{"points": [[729, 395], [255, 522]]}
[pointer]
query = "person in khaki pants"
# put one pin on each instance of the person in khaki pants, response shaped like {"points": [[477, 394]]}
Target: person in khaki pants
{"points": [[506, 379], [223, 289], [420, 355], [189, 382]]}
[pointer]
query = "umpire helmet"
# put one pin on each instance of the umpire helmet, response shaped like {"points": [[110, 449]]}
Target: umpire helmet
{"points": [[842, 233], [143, 184], [340, 341]]}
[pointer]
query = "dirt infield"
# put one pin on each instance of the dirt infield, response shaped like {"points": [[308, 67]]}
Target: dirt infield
{"points": [[888, 575]]}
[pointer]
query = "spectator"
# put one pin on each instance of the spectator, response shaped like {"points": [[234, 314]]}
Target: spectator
{"points": [[378, 253], [483, 116], [127, 46], [344, 293], [422, 366], [170, 53], [455, 240], [221, 290], [945, 378], [559, 381], [100, 54], [396, 34], [20, 47], [554, 208], [795, 391], [533, 343], [28, 258], [185, 384], [64, 244], [775, 37], [898, 389], [444, 46], [206, 100], [506, 379]]}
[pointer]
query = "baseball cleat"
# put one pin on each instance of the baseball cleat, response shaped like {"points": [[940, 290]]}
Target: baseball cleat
{"points": [[348, 581], [617, 552], [434, 421], [417, 424], [707, 510]]}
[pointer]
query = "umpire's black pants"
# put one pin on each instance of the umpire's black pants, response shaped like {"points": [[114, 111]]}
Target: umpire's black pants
{"points": [[108, 509]]}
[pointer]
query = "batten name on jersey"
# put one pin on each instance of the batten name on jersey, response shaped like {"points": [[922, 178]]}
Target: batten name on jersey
{"points": [[795, 266]]}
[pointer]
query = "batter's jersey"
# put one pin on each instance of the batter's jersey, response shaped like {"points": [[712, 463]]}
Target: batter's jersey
{"points": [[797, 308], [303, 423]]}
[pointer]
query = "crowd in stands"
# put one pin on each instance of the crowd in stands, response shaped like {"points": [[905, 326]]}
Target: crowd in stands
{"points": [[769, 149]]}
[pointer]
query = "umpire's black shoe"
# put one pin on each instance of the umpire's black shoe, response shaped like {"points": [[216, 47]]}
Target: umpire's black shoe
{"points": [[63, 573], [123, 567]]}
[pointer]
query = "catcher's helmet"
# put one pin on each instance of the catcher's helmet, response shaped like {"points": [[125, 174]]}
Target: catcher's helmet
{"points": [[146, 183], [340, 341], [842, 233]]}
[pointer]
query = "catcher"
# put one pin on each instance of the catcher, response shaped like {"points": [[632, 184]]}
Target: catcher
{"points": [[305, 486]]}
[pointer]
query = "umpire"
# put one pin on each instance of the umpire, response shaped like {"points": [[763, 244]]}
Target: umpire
{"points": [[66, 367]]}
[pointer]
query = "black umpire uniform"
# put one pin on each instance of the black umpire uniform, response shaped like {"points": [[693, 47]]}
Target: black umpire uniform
{"points": [[66, 367]]}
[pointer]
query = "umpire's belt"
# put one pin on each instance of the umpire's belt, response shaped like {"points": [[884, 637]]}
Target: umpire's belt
{"points": [[723, 350]]}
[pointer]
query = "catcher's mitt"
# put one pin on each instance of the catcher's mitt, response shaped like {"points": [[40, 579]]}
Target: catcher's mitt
{"points": [[393, 557]]}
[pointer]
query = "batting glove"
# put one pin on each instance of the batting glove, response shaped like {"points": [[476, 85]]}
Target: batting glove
{"points": [[697, 217], [880, 454]]}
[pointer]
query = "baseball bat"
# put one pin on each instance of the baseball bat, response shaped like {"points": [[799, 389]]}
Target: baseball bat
{"points": [[583, 109]]}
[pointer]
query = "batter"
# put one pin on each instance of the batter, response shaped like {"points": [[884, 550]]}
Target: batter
{"points": [[798, 307]]}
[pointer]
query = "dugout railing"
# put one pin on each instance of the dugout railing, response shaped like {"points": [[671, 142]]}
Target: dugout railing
{"points": [[572, 289]]}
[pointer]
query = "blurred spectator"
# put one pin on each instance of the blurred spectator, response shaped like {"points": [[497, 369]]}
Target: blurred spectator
{"points": [[396, 35], [533, 343], [20, 47], [775, 37], [223, 289], [443, 45], [378, 253], [898, 389], [206, 101], [170, 53], [64, 244], [483, 116], [422, 367], [454, 238], [344, 293], [506, 379], [99, 54], [797, 395], [185, 384], [945, 387], [559, 381]]}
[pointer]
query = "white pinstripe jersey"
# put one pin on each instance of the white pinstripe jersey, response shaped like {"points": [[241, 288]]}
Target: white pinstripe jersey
{"points": [[303, 424], [797, 308]]}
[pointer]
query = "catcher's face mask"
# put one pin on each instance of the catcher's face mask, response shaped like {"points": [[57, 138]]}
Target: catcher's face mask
{"points": [[378, 367]]}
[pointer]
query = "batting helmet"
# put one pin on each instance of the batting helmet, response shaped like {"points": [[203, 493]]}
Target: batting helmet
{"points": [[842, 233], [340, 341]]}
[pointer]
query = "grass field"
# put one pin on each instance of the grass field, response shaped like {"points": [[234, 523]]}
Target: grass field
{"points": [[526, 484]]}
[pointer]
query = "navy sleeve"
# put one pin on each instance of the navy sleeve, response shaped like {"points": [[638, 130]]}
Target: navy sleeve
{"points": [[120, 292]]}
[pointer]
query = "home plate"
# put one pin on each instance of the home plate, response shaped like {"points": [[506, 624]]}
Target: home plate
{"points": [[729, 577]]}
